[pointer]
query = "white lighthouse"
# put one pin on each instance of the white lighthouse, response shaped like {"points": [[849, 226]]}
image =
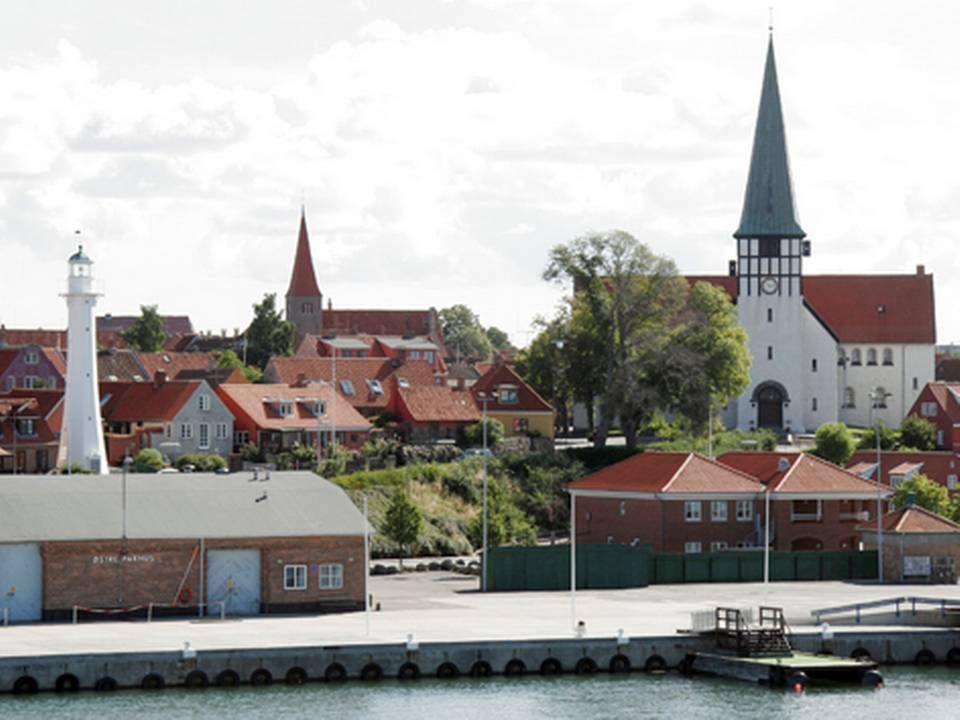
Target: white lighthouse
{"points": [[81, 437]]}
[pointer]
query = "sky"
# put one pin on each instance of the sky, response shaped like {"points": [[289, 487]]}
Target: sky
{"points": [[442, 148]]}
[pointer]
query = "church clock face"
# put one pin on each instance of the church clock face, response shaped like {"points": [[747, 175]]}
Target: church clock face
{"points": [[770, 285]]}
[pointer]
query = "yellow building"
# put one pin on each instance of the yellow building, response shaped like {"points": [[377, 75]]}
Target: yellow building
{"points": [[514, 403]]}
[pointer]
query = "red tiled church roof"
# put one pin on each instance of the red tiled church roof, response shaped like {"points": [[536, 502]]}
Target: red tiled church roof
{"points": [[864, 308], [303, 280]]}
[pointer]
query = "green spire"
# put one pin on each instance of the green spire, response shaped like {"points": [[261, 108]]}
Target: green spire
{"points": [[80, 256], [768, 209]]}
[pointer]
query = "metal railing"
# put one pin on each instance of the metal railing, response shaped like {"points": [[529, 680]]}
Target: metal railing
{"points": [[900, 605], [149, 607]]}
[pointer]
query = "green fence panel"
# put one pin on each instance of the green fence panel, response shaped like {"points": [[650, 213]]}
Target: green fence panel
{"points": [[836, 565], [696, 567], [751, 566], [782, 566], [864, 565], [668, 568], [724, 567], [807, 565]]}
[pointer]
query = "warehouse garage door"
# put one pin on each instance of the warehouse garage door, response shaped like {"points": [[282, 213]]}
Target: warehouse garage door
{"points": [[21, 581], [233, 577]]}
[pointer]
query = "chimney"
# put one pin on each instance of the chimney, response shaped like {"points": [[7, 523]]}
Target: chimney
{"points": [[159, 378], [301, 380], [921, 270]]}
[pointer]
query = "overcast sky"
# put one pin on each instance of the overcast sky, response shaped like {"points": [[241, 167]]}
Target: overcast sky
{"points": [[442, 148]]}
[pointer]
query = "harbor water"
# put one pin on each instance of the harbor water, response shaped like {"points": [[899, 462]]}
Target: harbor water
{"points": [[910, 692]]}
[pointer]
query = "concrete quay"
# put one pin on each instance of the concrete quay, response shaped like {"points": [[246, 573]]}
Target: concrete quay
{"points": [[455, 632]]}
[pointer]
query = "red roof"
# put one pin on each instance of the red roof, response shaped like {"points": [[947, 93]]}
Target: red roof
{"points": [[437, 404], [800, 474], [44, 338], [144, 401], [948, 368], [668, 472], [303, 280], [44, 406], [527, 398], [913, 519], [7, 356], [864, 308], [260, 404], [936, 465], [172, 363], [382, 322]]}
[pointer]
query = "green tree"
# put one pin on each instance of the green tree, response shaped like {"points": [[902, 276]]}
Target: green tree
{"points": [[148, 460], [499, 340], [888, 438], [402, 523], [919, 433], [507, 524], [834, 442], [463, 333], [268, 334], [923, 492], [146, 333], [230, 359], [473, 434]]}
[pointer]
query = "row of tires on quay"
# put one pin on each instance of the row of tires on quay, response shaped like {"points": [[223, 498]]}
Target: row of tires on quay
{"points": [[336, 672]]}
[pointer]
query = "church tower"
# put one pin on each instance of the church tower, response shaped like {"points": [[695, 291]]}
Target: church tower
{"points": [[81, 436], [304, 299], [770, 249]]}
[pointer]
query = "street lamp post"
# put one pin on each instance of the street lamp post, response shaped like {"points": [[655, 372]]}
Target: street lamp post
{"points": [[557, 385], [878, 398], [484, 399]]}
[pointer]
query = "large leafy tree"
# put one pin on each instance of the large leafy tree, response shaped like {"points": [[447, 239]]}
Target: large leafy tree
{"points": [[230, 359], [268, 334], [463, 333], [919, 433], [403, 523], [146, 333], [834, 442], [499, 340], [923, 492]]}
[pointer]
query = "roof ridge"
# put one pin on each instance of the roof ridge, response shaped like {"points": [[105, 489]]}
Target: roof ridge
{"points": [[724, 466], [679, 470]]}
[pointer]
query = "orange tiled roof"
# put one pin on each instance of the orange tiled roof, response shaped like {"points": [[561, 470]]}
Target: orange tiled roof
{"points": [[144, 401], [669, 472], [437, 403], [913, 519], [804, 474], [528, 400], [256, 402], [173, 362], [382, 322], [45, 406], [44, 338], [938, 465], [864, 308]]}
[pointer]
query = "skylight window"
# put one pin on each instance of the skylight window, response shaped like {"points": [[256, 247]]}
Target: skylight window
{"points": [[346, 386], [403, 382], [375, 387]]}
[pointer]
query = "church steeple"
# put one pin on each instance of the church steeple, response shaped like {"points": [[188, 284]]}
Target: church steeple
{"points": [[768, 209], [304, 299]]}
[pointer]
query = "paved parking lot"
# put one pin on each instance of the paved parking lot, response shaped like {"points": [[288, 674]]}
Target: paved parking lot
{"points": [[441, 606]]}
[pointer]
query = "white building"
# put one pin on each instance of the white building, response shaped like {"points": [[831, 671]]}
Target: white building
{"points": [[81, 436], [822, 345]]}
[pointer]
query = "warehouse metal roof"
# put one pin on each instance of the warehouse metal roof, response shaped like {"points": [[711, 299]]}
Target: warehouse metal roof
{"points": [[36, 508]]}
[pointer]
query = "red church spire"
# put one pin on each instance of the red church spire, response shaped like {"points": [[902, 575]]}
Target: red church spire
{"points": [[303, 281]]}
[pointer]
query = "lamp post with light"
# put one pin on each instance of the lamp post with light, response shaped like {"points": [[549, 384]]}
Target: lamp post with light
{"points": [[878, 399], [484, 398]]}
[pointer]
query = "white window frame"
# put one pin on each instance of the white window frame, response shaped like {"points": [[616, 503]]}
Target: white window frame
{"points": [[31, 357], [285, 408], [508, 395], [330, 576], [414, 354], [928, 409], [168, 431], [744, 510], [186, 431], [717, 545], [204, 402], [52, 382], [693, 511], [203, 436], [428, 356], [692, 546], [30, 381], [951, 482], [294, 577], [719, 512], [815, 517], [220, 431]]}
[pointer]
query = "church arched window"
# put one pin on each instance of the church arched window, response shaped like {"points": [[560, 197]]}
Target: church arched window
{"points": [[888, 356], [880, 396], [871, 356], [849, 398], [855, 356]]}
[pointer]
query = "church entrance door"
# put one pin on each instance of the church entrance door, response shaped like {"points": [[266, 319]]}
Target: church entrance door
{"points": [[770, 408]]}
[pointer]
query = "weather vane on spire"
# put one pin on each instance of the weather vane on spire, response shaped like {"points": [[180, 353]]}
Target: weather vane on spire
{"points": [[770, 25]]}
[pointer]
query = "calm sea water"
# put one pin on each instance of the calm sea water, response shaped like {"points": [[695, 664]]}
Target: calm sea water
{"points": [[910, 693]]}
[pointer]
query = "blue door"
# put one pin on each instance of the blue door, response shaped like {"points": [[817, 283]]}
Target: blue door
{"points": [[233, 577], [21, 582]]}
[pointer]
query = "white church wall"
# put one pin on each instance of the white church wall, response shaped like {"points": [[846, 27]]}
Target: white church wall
{"points": [[911, 366], [819, 370]]}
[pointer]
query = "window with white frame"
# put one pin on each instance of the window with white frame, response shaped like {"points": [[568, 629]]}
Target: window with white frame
{"points": [[294, 577], [331, 577], [52, 382], [25, 427], [204, 402], [508, 395], [928, 409], [220, 431], [718, 510], [346, 387], [374, 386], [31, 381], [428, 356], [168, 431], [204, 435], [31, 357], [810, 510], [285, 408], [692, 510], [951, 482], [718, 545], [744, 510], [186, 431], [888, 356], [692, 546], [871, 356], [414, 354], [849, 397]]}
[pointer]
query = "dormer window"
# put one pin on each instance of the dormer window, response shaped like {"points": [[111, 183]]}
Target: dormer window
{"points": [[31, 357], [508, 395], [375, 387], [319, 408], [346, 386], [285, 408]]}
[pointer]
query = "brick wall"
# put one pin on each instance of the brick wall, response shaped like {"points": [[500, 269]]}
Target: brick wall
{"points": [[107, 574], [898, 545]]}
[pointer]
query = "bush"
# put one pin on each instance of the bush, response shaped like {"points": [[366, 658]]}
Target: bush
{"points": [[252, 453], [868, 439], [414, 454], [918, 432], [460, 482], [495, 433], [834, 442], [75, 469], [200, 462], [148, 460]]}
